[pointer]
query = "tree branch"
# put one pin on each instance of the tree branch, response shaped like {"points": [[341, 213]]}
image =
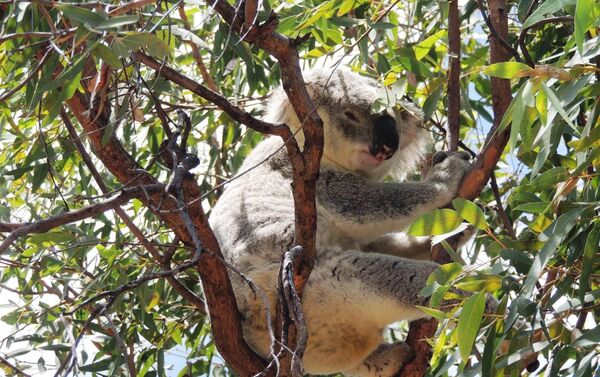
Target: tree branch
{"points": [[453, 75], [477, 177], [72, 216]]}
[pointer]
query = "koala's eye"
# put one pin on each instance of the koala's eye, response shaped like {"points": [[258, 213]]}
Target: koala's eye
{"points": [[350, 116]]}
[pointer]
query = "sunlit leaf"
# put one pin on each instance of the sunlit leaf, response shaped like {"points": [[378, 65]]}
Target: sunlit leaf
{"points": [[435, 222], [508, 70], [470, 212], [468, 324]]}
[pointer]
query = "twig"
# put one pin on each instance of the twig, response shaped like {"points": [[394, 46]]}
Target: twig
{"points": [[16, 370], [48, 161], [503, 216], [36, 34], [75, 215], [132, 5], [31, 75], [115, 293], [523, 35], [294, 308], [235, 112], [495, 33], [210, 82]]}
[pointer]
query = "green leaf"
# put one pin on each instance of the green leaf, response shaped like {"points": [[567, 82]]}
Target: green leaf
{"points": [[549, 178], [584, 11], [85, 16], [100, 365], [115, 22], [548, 7], [507, 70], [107, 55], [535, 207], [589, 338], [68, 74], [554, 235], [446, 273], [481, 283], [155, 46], [470, 212], [590, 254], [556, 102], [436, 222], [423, 48], [346, 7], [434, 312], [468, 324]]}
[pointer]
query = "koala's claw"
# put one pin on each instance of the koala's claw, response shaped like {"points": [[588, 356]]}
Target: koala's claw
{"points": [[439, 157], [463, 155]]}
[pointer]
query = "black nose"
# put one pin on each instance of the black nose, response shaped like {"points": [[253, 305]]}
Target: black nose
{"points": [[385, 137]]}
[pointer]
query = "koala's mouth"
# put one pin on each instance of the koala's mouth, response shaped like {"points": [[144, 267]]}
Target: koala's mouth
{"points": [[366, 158]]}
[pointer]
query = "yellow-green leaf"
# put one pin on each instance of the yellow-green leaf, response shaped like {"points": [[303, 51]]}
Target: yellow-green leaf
{"points": [[470, 212], [435, 222], [508, 70]]}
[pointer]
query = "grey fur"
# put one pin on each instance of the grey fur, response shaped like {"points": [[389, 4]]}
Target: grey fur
{"points": [[360, 282]]}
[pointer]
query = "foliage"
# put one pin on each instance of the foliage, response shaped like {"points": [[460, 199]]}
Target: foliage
{"points": [[537, 247]]}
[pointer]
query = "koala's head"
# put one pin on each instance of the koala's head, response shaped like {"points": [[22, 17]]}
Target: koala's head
{"points": [[356, 139]]}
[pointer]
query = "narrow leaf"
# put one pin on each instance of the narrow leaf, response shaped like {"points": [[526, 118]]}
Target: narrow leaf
{"points": [[508, 70], [468, 324]]}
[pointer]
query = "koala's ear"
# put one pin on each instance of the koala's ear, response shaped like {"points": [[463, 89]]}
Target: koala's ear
{"points": [[278, 107], [410, 115]]}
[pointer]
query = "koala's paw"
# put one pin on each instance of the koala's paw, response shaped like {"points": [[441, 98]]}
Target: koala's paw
{"points": [[449, 168], [386, 361]]}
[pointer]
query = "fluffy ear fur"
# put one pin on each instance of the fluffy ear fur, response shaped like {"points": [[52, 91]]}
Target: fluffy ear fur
{"points": [[414, 140], [322, 85]]}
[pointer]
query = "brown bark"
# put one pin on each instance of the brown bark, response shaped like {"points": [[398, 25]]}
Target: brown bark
{"points": [[453, 76], [476, 179]]}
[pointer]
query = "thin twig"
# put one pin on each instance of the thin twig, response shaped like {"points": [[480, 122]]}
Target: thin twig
{"points": [[503, 216], [493, 31], [523, 35], [31, 75], [16, 370], [52, 222]]}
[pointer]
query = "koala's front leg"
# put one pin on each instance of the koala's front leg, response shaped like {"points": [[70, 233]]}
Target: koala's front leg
{"points": [[367, 210]]}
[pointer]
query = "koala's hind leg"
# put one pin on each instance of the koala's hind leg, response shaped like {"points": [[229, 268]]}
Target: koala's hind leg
{"points": [[350, 298], [385, 361]]}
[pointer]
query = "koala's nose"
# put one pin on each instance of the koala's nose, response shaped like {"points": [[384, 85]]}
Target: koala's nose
{"points": [[385, 137]]}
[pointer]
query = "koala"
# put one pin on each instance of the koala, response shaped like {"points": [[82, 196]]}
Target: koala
{"points": [[367, 273]]}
